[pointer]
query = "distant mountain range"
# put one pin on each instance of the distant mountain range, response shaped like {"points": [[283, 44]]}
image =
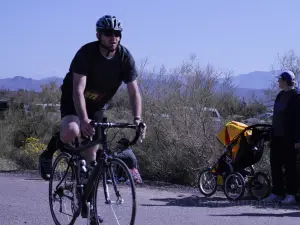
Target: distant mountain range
{"points": [[246, 84], [253, 83], [20, 82], [254, 80]]}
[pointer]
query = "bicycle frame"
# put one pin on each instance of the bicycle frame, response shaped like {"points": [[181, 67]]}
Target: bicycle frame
{"points": [[87, 189]]}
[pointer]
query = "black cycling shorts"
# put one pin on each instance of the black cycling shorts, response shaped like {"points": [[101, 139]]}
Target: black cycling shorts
{"points": [[67, 108]]}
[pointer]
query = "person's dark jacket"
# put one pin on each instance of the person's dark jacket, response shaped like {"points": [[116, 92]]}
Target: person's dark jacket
{"points": [[286, 115]]}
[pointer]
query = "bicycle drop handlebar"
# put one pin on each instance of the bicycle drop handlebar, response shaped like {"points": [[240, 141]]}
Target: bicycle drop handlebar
{"points": [[140, 133], [141, 127]]}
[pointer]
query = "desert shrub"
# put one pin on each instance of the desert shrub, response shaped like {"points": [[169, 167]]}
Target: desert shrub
{"points": [[29, 153], [20, 126], [181, 135], [181, 138]]}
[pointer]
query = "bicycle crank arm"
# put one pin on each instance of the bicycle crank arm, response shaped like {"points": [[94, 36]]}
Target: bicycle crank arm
{"points": [[88, 206]]}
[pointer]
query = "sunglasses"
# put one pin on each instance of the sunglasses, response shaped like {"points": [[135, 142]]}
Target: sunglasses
{"points": [[110, 33]]}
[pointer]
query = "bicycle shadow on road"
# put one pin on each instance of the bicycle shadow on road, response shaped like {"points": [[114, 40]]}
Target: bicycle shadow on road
{"points": [[216, 202]]}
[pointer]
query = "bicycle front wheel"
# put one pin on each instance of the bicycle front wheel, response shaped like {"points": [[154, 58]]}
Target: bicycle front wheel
{"points": [[62, 191], [117, 205]]}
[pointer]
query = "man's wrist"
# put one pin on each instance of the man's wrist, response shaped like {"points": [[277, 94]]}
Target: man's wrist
{"points": [[84, 119]]}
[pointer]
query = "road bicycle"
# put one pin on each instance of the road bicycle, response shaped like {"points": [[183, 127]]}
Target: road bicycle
{"points": [[80, 183]]}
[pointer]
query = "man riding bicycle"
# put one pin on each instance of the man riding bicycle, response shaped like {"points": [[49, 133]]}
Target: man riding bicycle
{"points": [[95, 74]]}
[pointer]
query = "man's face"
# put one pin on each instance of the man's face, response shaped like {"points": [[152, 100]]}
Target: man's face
{"points": [[281, 83], [110, 39]]}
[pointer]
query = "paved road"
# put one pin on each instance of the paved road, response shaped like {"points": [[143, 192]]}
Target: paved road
{"points": [[24, 200]]}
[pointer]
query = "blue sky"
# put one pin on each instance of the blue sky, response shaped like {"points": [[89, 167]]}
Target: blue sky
{"points": [[39, 38]]}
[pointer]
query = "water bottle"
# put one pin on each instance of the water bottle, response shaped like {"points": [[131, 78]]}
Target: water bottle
{"points": [[82, 164]]}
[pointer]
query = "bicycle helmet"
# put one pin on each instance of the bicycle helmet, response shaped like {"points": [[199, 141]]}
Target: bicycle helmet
{"points": [[108, 23]]}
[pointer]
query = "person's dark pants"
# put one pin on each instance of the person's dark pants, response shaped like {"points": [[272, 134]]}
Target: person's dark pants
{"points": [[128, 157], [283, 154]]}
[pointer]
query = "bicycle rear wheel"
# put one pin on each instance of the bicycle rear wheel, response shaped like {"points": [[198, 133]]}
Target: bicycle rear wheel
{"points": [[117, 206], [62, 190]]}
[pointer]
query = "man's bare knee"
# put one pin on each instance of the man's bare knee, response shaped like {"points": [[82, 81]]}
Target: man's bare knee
{"points": [[70, 128]]}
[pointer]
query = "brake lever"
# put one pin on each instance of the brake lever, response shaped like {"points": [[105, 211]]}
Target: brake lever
{"points": [[143, 128]]}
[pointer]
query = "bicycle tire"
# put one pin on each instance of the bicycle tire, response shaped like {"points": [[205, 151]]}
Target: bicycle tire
{"points": [[60, 157], [213, 190], [104, 180]]}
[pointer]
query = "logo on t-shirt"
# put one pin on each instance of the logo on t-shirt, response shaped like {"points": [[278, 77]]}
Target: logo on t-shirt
{"points": [[93, 96]]}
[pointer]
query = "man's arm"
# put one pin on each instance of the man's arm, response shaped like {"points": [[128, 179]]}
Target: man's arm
{"points": [[79, 82], [130, 74], [297, 121], [135, 99]]}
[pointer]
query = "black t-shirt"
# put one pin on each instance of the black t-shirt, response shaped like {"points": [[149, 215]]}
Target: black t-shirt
{"points": [[104, 76]]}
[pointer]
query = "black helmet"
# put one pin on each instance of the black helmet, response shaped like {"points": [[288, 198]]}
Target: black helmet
{"points": [[108, 22]]}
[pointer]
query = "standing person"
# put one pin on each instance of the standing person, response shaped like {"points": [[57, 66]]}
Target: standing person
{"points": [[285, 139], [95, 74]]}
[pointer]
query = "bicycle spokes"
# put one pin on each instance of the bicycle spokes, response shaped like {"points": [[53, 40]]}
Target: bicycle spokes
{"points": [[62, 192], [118, 205]]}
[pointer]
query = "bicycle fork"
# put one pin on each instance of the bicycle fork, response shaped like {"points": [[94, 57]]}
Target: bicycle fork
{"points": [[108, 168], [105, 186]]}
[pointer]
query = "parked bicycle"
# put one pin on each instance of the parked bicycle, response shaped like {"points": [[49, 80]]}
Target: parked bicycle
{"points": [[79, 184]]}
